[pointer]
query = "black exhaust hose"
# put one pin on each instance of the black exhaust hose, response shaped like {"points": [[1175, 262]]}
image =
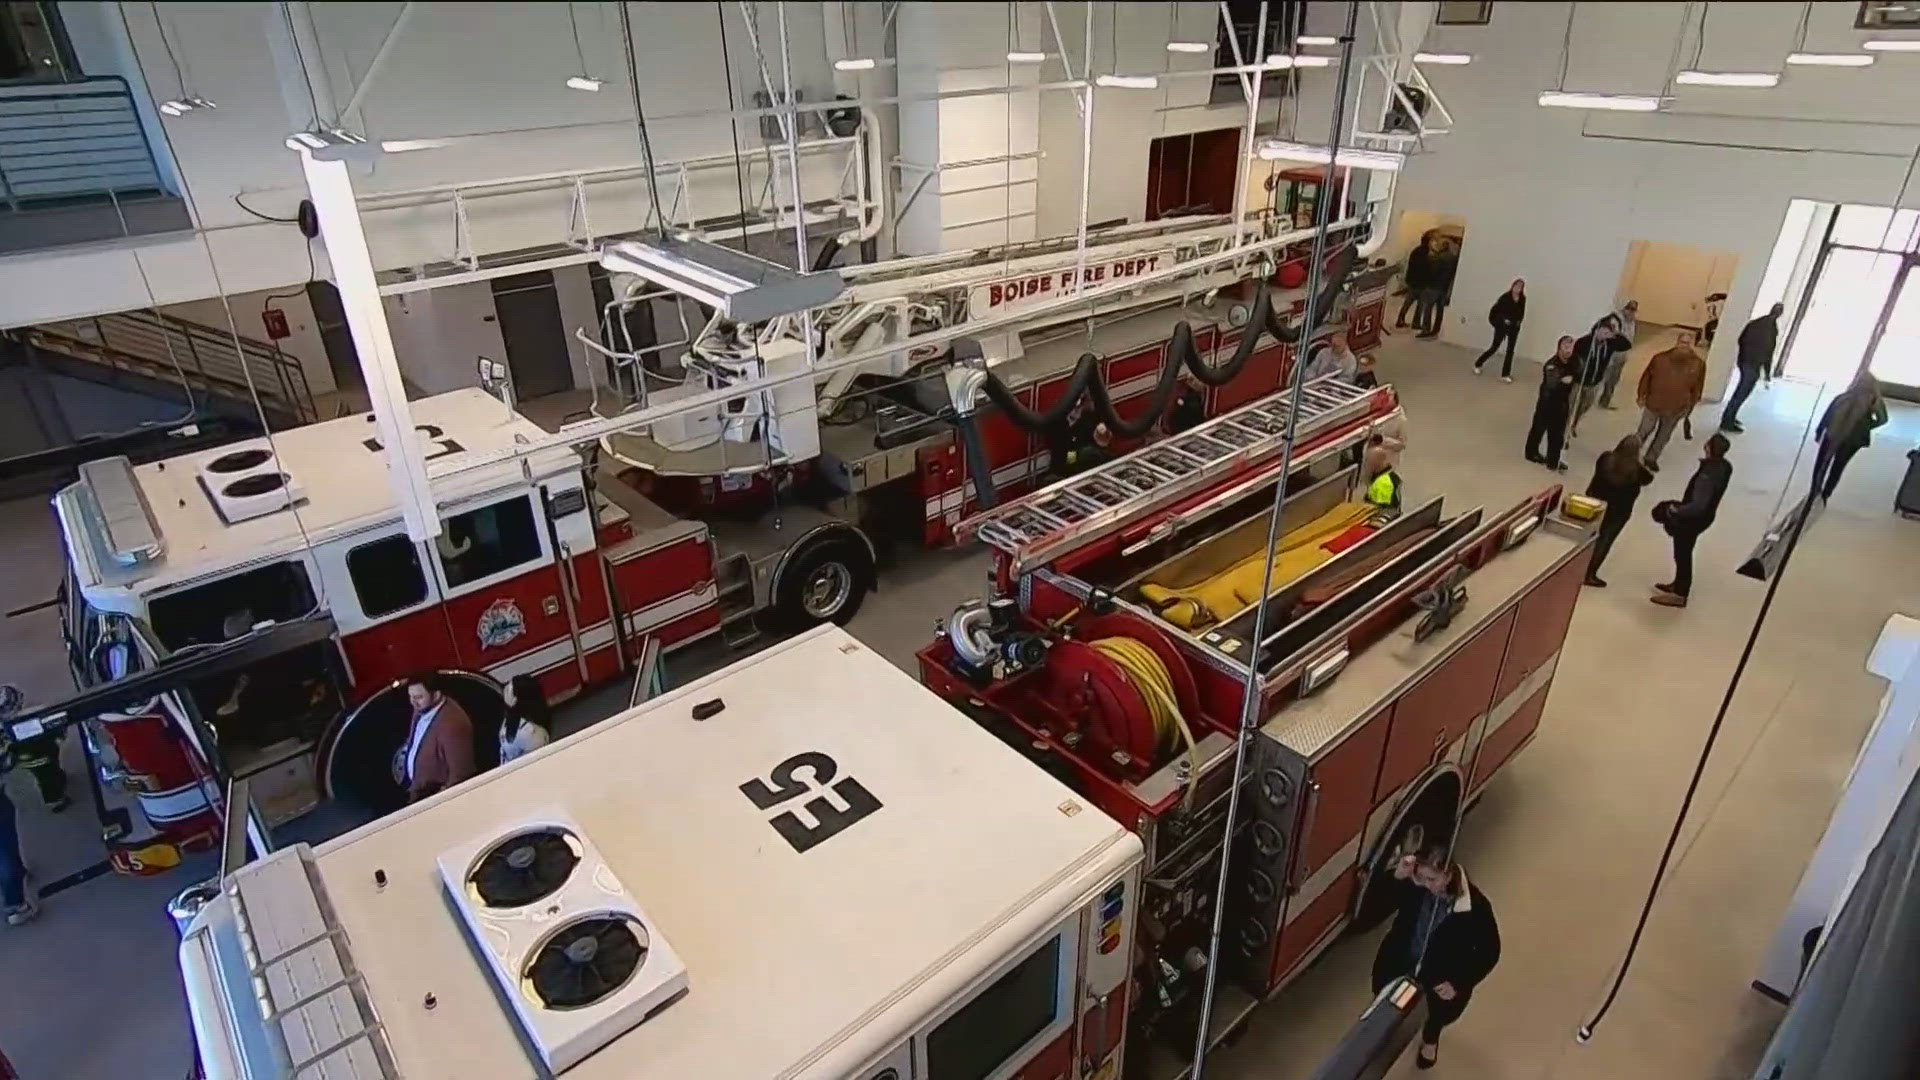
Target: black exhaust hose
{"points": [[827, 252], [1084, 372], [978, 467]]}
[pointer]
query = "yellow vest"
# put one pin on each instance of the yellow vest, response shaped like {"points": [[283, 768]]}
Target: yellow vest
{"points": [[1383, 489]]}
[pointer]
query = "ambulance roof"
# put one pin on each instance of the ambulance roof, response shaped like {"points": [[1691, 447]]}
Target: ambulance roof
{"points": [[799, 963], [342, 470]]}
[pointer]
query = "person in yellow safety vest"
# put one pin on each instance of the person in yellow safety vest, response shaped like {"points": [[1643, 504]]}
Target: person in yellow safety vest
{"points": [[1383, 483]]}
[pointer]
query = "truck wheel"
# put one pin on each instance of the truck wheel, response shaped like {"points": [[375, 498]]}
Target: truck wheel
{"points": [[824, 580]]}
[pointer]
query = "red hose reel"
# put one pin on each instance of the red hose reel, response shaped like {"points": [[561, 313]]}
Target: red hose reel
{"points": [[1110, 723]]}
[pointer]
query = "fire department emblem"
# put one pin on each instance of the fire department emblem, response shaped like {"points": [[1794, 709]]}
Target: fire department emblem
{"points": [[501, 623]]}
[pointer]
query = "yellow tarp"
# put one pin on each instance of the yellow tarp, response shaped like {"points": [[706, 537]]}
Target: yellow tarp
{"points": [[1231, 590]]}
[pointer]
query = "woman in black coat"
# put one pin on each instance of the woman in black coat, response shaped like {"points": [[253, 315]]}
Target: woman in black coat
{"points": [[1505, 315], [1444, 937], [1617, 479]]}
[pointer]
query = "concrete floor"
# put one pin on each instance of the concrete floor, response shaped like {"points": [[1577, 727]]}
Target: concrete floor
{"points": [[1563, 842]]}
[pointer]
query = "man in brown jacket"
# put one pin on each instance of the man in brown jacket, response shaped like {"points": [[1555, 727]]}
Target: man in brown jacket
{"points": [[1669, 389], [439, 749]]}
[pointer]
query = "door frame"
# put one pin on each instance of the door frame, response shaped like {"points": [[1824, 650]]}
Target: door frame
{"points": [[1908, 261]]}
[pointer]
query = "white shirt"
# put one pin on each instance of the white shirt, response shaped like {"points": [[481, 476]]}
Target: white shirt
{"points": [[525, 741], [1349, 363], [420, 725]]}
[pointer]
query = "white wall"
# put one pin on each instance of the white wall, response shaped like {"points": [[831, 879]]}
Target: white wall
{"points": [[439, 334], [303, 343], [1555, 195], [1671, 282]]}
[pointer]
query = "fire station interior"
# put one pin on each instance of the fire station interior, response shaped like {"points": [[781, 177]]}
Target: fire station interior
{"points": [[1118, 373]]}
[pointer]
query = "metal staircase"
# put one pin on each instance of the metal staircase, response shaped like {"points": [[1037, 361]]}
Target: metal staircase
{"points": [[1094, 503]]}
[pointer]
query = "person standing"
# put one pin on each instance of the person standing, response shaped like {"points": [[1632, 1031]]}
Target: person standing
{"points": [[1557, 377], [1754, 362], [1618, 476], [1444, 937], [1415, 278], [1628, 320], [1505, 316], [439, 749], [39, 755], [1591, 353], [1690, 515], [1669, 389], [1440, 289], [528, 724], [1189, 408], [1844, 430], [1343, 354], [14, 899]]}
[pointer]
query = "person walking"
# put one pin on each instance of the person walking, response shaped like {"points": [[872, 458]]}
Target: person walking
{"points": [[438, 752], [1669, 389], [528, 723], [1591, 353], [1754, 362], [1690, 515], [14, 899], [1618, 476], [1444, 937], [1505, 316], [1844, 430], [1557, 378], [1417, 276], [1628, 320], [1440, 289]]}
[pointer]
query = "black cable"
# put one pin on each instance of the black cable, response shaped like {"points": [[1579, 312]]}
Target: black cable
{"points": [[178, 77], [286, 12], [1700, 42], [733, 123], [1585, 1031], [1566, 44], [264, 217], [579, 51]]}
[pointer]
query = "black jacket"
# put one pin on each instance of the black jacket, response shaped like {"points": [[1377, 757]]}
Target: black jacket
{"points": [[1441, 279], [1552, 390], [1461, 950], [1757, 340], [1419, 272], [1701, 503], [1618, 497], [1593, 361], [1508, 310]]}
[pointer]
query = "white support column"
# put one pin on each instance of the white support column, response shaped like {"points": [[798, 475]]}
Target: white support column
{"points": [[331, 188]]}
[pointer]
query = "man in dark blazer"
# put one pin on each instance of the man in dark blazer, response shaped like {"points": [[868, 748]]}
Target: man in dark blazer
{"points": [[438, 752], [1444, 938]]}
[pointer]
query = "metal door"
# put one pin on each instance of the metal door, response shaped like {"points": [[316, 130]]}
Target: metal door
{"points": [[528, 308]]}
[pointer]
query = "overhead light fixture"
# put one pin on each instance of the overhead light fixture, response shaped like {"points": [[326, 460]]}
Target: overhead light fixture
{"points": [[856, 63], [1027, 57], [1844, 59], [1572, 99], [1189, 47], [184, 105], [1892, 44], [743, 288], [1129, 82], [326, 138], [1298, 60], [1755, 79], [1311, 154], [1316, 39], [402, 146], [1454, 58], [581, 82]]}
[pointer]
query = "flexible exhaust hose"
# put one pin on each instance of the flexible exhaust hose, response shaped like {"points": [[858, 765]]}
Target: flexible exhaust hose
{"points": [[979, 468]]}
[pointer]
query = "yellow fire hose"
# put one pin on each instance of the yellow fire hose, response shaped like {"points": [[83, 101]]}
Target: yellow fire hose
{"points": [[1150, 677], [1220, 596]]}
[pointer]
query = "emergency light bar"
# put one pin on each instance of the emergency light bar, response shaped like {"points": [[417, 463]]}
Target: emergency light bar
{"points": [[743, 288]]}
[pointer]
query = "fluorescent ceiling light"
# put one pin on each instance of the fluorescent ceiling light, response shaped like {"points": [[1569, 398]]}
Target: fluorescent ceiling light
{"points": [[857, 63], [1316, 39], [1283, 150], [742, 287], [1189, 46], [1298, 60], [184, 105], [1844, 59], [402, 146], [581, 82], [1570, 99], [1129, 82], [1442, 58], [1892, 44], [1026, 58], [1758, 79]]}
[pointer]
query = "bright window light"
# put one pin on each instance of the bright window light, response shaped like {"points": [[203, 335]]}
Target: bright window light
{"points": [[1892, 44], [1284, 61], [1316, 39], [856, 63], [1812, 59], [1310, 154], [1189, 47], [1128, 82], [1455, 58], [1026, 58], [1570, 99], [581, 82], [1755, 79]]}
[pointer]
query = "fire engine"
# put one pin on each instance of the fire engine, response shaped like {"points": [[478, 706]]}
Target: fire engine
{"points": [[783, 869], [1405, 657], [567, 566]]}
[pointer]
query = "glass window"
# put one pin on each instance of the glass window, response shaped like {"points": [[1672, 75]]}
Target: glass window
{"points": [[1877, 227], [33, 43], [386, 576], [484, 542], [229, 607], [1453, 13], [1879, 15], [975, 1041]]}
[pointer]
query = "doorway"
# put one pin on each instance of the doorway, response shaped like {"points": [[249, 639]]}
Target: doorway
{"points": [[1677, 286], [534, 334], [1863, 309], [1193, 173]]}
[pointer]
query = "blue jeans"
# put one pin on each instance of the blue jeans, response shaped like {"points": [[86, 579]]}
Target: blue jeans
{"points": [[13, 872]]}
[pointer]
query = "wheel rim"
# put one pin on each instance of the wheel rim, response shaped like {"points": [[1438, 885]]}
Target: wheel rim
{"points": [[826, 590]]}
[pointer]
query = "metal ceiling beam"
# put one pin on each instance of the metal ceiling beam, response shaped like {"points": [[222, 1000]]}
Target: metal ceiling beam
{"points": [[379, 62]]}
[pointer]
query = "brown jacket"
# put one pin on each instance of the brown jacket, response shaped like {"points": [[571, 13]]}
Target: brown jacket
{"points": [[446, 752], [1673, 382]]}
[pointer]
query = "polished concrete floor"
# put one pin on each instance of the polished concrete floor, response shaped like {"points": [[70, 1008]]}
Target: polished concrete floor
{"points": [[1564, 842]]}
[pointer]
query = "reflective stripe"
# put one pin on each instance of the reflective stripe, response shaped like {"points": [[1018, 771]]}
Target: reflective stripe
{"points": [[1329, 872], [165, 807]]}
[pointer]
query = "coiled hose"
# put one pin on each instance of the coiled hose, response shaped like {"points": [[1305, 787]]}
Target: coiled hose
{"points": [[1148, 674]]}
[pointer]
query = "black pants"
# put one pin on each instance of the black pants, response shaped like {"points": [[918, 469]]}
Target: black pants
{"points": [[1410, 298], [1828, 463], [40, 755], [1610, 527], [1439, 1013], [1749, 376], [1550, 421], [1509, 334], [1683, 561]]}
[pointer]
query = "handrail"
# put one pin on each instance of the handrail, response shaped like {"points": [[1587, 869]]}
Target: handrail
{"points": [[169, 347]]}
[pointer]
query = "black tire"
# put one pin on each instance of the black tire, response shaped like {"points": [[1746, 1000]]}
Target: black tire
{"points": [[825, 579]]}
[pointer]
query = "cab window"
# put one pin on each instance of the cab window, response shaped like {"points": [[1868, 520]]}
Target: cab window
{"points": [[490, 540], [386, 575], [229, 607]]}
